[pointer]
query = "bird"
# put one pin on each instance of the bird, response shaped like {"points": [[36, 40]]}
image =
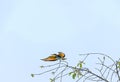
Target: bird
{"points": [[55, 57]]}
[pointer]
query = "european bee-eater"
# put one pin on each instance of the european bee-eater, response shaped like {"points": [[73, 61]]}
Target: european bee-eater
{"points": [[55, 57]]}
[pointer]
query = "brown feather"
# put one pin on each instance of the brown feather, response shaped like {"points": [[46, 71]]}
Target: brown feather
{"points": [[50, 58]]}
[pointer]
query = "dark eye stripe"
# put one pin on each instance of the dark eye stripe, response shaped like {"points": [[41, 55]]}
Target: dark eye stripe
{"points": [[58, 56]]}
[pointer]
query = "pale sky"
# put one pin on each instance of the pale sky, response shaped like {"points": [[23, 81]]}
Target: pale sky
{"points": [[33, 29]]}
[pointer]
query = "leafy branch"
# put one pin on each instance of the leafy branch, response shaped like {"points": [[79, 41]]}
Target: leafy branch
{"points": [[106, 72]]}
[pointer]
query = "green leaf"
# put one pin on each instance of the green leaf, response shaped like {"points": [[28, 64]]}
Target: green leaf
{"points": [[70, 73], [80, 65], [52, 80], [74, 75], [119, 67], [32, 75], [118, 63]]}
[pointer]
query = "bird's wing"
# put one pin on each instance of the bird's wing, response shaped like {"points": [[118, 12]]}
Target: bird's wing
{"points": [[50, 58]]}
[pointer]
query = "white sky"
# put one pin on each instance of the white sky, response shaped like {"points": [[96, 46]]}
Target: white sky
{"points": [[33, 29]]}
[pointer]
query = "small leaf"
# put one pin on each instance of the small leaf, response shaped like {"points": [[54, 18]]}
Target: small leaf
{"points": [[118, 64], [70, 73], [32, 75], [80, 65], [119, 67], [74, 75], [52, 80]]}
